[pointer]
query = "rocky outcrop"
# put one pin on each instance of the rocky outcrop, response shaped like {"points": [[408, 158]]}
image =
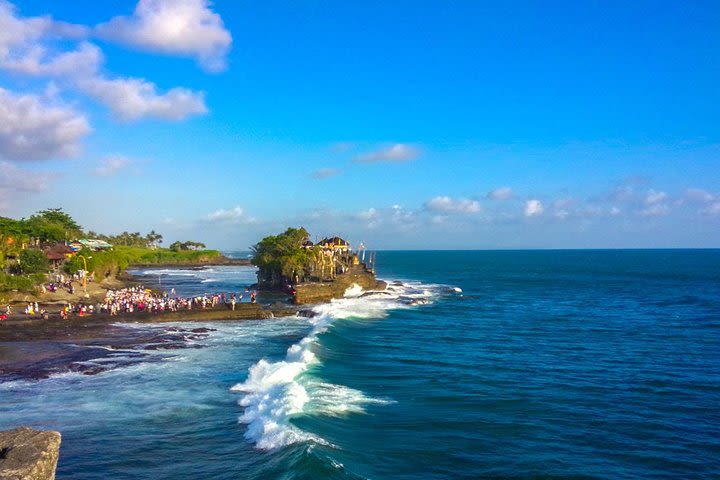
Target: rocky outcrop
{"points": [[320, 292], [28, 454]]}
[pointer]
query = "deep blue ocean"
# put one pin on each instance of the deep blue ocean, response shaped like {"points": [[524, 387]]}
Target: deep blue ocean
{"points": [[477, 364]]}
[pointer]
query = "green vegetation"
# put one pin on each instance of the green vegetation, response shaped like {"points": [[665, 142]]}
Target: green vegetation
{"points": [[27, 265], [51, 225], [281, 259], [189, 245], [112, 262], [33, 260], [47, 226], [21, 283], [135, 239]]}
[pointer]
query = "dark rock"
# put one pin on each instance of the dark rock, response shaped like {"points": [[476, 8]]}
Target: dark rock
{"points": [[375, 294], [321, 292], [28, 454]]}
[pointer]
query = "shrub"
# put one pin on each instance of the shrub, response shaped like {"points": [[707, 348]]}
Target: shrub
{"points": [[33, 261]]}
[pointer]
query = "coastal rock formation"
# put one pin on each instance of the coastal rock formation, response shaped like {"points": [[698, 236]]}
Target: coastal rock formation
{"points": [[319, 292], [28, 454]]}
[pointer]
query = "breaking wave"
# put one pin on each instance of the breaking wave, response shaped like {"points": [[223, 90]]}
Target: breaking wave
{"points": [[275, 392]]}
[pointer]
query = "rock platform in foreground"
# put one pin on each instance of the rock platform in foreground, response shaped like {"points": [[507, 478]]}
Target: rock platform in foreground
{"points": [[28, 454]]}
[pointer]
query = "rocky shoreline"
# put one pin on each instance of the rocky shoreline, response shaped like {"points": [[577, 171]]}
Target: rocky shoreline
{"points": [[38, 347], [28, 454]]}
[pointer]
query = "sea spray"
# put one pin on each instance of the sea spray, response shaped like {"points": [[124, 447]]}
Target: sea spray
{"points": [[274, 392]]}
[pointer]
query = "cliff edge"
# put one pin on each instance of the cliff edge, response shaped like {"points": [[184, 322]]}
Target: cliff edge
{"points": [[321, 292], [28, 454]]}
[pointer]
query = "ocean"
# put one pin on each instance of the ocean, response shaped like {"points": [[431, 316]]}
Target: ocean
{"points": [[473, 364]]}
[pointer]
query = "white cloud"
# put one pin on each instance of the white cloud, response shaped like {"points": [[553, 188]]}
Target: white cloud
{"points": [[16, 183], [176, 27], [13, 178], [399, 152], [709, 204], [503, 193], [325, 173], [402, 218], [712, 209], [655, 210], [698, 195], [16, 31], [36, 61], [111, 165], [19, 36], [622, 194], [233, 216], [135, 98], [341, 147], [21, 39], [31, 48], [32, 130], [653, 197], [368, 214], [533, 208], [447, 204]]}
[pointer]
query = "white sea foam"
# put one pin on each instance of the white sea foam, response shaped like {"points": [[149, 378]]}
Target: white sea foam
{"points": [[169, 272], [353, 291], [338, 400], [274, 392]]}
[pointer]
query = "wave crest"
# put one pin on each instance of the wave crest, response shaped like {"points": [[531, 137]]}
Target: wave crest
{"points": [[274, 392]]}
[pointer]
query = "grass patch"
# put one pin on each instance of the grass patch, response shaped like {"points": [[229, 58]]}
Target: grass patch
{"points": [[114, 261]]}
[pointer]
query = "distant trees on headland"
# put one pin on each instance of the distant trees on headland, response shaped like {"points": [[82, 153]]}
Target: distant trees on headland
{"points": [[290, 258], [30, 246], [135, 239], [189, 245]]}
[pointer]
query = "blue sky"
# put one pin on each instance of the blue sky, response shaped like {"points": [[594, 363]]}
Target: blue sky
{"points": [[403, 124]]}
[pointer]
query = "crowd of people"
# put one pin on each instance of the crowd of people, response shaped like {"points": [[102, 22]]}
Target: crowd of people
{"points": [[66, 282], [138, 299]]}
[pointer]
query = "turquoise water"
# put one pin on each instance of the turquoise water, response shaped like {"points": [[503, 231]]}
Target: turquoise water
{"points": [[546, 364]]}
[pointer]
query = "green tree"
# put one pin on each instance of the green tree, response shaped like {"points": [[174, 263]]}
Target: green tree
{"points": [[281, 258], [52, 225], [189, 245], [153, 239], [33, 261], [56, 215], [12, 239]]}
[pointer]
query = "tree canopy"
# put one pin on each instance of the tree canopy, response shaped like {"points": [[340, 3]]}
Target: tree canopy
{"points": [[281, 258], [189, 245], [33, 261], [51, 225]]}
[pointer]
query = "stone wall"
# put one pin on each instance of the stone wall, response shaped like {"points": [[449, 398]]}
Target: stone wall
{"points": [[27, 454]]}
